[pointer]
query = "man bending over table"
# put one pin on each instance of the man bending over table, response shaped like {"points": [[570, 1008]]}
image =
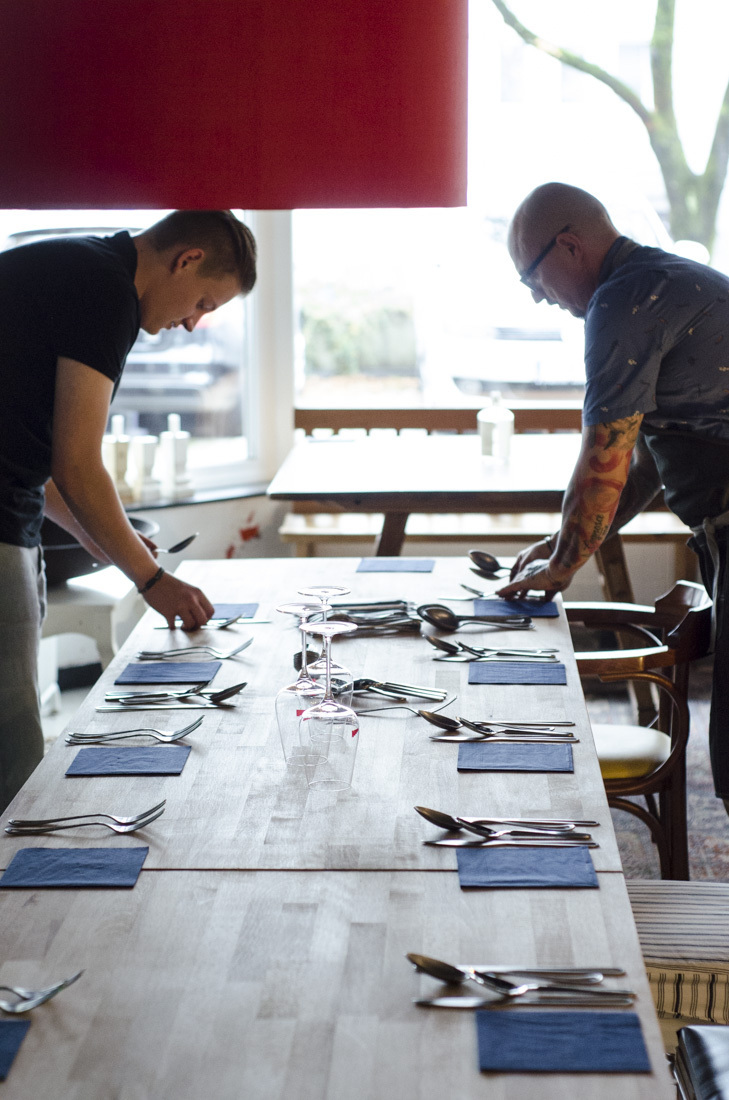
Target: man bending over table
{"points": [[72, 309], [656, 408]]}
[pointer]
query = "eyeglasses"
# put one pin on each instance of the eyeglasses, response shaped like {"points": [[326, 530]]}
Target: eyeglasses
{"points": [[529, 271]]}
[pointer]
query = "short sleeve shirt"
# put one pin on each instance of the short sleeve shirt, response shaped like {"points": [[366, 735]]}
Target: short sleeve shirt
{"points": [[70, 297], [657, 343]]}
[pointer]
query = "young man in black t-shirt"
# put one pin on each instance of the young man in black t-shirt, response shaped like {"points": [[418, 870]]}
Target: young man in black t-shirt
{"points": [[72, 309]]}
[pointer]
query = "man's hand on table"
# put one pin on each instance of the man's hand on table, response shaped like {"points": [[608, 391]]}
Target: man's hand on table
{"points": [[536, 575], [173, 597]]}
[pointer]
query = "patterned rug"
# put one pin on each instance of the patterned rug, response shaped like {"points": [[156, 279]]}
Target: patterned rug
{"points": [[708, 823]]}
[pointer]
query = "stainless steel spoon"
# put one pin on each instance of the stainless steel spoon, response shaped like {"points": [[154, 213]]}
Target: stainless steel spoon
{"points": [[447, 821], [179, 546], [444, 722], [443, 618], [454, 975], [487, 563]]}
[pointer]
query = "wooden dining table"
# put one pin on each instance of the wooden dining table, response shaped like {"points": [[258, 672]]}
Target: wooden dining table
{"points": [[261, 952], [398, 475]]}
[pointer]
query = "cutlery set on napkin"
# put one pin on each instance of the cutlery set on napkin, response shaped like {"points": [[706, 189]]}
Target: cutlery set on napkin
{"points": [[505, 986]]}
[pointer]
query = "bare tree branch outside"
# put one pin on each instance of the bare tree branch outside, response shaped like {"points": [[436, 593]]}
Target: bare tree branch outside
{"points": [[693, 197]]}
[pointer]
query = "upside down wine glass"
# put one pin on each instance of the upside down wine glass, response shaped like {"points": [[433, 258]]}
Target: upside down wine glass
{"points": [[292, 700], [342, 678], [329, 729]]}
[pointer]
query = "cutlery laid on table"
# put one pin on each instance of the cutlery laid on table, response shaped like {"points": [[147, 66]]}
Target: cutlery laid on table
{"points": [[28, 999], [82, 817], [55, 827], [448, 821], [454, 975], [192, 651], [217, 696]]}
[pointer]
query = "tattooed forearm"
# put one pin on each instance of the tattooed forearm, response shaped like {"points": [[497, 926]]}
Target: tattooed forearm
{"points": [[592, 497], [643, 483]]}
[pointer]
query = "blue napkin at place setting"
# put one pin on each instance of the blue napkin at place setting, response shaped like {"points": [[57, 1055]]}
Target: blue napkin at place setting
{"points": [[483, 756], [514, 1041], [168, 672], [228, 610], [52, 867], [12, 1033], [396, 565], [545, 868], [536, 609], [515, 672], [130, 760]]}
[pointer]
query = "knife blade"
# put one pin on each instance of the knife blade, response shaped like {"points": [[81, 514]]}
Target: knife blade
{"points": [[544, 1000], [166, 706], [513, 843]]}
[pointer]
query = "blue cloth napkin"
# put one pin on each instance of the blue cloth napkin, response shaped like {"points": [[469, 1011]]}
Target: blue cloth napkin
{"points": [[225, 611], [482, 756], [228, 610], [396, 565], [536, 609], [130, 760], [34, 867], [168, 672], [542, 867], [513, 1041], [12, 1033], [515, 672]]}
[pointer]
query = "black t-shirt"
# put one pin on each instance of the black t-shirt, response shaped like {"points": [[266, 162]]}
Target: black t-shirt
{"points": [[73, 297]]}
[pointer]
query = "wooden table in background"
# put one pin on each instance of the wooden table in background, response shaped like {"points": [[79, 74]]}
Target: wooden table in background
{"points": [[260, 955], [436, 473]]}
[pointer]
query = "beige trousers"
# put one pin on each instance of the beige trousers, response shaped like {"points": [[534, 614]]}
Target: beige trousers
{"points": [[22, 610]]}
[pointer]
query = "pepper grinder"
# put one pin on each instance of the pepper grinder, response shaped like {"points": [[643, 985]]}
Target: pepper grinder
{"points": [[115, 456], [176, 481]]}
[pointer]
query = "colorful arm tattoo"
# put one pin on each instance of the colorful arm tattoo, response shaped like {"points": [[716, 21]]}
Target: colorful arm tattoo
{"points": [[592, 497]]}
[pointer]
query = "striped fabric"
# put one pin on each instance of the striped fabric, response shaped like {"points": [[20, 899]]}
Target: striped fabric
{"points": [[683, 929]]}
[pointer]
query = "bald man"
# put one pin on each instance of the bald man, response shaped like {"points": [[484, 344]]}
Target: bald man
{"points": [[656, 408]]}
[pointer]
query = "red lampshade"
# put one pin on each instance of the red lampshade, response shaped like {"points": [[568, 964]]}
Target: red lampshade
{"points": [[264, 104]]}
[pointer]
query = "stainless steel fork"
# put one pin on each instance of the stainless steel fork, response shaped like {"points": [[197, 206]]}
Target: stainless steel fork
{"points": [[190, 651], [39, 997], [38, 830], [80, 817], [158, 735]]}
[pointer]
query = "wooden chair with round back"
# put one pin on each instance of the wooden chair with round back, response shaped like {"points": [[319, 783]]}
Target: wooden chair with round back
{"points": [[649, 761]]}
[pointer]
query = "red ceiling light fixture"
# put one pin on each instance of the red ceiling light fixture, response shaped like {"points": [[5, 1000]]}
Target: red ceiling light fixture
{"points": [[263, 104]]}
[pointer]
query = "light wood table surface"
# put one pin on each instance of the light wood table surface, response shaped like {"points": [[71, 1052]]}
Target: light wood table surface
{"points": [[269, 986], [261, 952], [237, 806]]}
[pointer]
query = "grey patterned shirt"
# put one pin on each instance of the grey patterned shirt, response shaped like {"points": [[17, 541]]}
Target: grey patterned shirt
{"points": [[657, 343]]}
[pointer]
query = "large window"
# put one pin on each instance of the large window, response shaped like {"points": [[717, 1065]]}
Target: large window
{"points": [[423, 306]]}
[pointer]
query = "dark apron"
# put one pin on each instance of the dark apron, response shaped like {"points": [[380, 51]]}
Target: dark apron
{"points": [[695, 473]]}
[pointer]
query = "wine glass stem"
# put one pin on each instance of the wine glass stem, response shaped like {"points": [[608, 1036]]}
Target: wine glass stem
{"points": [[328, 697], [304, 666]]}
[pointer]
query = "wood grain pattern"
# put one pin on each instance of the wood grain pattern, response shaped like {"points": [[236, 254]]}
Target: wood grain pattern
{"points": [[265, 986], [261, 953], [237, 806]]}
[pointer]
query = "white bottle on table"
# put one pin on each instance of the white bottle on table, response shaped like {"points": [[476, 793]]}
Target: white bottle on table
{"points": [[176, 481], [496, 427]]}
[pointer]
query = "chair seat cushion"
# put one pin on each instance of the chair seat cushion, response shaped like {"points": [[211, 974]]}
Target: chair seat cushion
{"points": [[683, 928], [626, 752]]}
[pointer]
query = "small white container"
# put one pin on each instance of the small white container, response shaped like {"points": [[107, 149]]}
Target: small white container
{"points": [[496, 427]]}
